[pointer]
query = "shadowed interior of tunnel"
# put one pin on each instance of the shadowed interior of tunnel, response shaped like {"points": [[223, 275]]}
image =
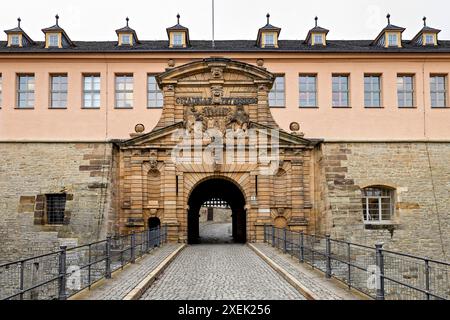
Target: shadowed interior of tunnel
{"points": [[222, 196]]}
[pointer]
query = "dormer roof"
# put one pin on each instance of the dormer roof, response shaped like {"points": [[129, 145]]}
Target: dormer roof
{"points": [[315, 30], [19, 30], [389, 27], [128, 30], [267, 28], [57, 29], [425, 30]]}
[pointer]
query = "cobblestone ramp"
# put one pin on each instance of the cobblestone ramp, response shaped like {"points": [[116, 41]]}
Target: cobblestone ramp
{"points": [[220, 272], [125, 281]]}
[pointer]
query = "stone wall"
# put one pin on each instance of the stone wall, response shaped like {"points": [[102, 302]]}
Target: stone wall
{"points": [[420, 175], [220, 215], [28, 171]]}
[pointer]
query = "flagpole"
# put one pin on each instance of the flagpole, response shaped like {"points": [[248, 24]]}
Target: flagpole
{"points": [[213, 43]]}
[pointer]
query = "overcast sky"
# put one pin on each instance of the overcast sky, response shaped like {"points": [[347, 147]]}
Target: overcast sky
{"points": [[235, 19]]}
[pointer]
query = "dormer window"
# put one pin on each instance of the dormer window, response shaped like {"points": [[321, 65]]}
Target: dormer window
{"points": [[268, 35], [177, 40], [15, 40], [56, 37], [318, 39], [427, 36], [390, 36], [126, 35], [17, 37], [393, 40], [178, 35], [269, 40], [53, 40], [317, 36]]}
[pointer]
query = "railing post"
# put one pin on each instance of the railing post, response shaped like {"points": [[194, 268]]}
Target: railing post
{"points": [[108, 258], [265, 234], [273, 236], [149, 239], [284, 240], [302, 247], [22, 270], [380, 271], [328, 255], [62, 273], [349, 267], [427, 278], [160, 235], [89, 264], [133, 245]]}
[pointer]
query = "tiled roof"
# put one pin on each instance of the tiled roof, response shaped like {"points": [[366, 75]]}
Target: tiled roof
{"points": [[333, 46]]}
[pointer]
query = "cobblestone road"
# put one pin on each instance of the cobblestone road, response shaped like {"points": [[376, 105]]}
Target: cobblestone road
{"points": [[220, 272], [215, 232]]}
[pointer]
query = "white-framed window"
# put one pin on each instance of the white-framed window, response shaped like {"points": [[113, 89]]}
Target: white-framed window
{"points": [[25, 90], [91, 91], [393, 40], [429, 39], [438, 86], [405, 91], [372, 91], [58, 91], [124, 91], [177, 39], [126, 39], [53, 40], [269, 40], [307, 90], [15, 40], [277, 94], [378, 204], [154, 94], [318, 39], [340, 91]]}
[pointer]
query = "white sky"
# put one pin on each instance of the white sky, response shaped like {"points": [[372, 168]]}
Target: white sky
{"points": [[235, 19]]}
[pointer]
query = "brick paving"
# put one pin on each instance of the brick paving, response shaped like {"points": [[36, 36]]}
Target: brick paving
{"points": [[325, 289], [124, 281], [220, 272]]}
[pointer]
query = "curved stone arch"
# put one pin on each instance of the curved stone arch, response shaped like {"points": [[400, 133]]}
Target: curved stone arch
{"points": [[231, 177]]}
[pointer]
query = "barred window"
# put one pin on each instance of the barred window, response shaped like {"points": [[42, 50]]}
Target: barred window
{"points": [[216, 203], [154, 94], [378, 204], [25, 91], [405, 91], [372, 91], [55, 208], [308, 90], [124, 91], [340, 91], [58, 94], [276, 95], [438, 85], [91, 91]]}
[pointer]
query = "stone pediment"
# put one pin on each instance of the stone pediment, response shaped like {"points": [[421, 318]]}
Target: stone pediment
{"points": [[164, 137]]}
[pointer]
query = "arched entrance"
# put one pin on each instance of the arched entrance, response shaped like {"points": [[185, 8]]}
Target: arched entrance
{"points": [[225, 190]]}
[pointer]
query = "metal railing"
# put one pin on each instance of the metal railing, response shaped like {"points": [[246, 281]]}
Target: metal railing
{"points": [[61, 274], [379, 273]]}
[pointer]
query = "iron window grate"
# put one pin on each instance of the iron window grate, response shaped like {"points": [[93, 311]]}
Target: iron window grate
{"points": [[55, 208]]}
